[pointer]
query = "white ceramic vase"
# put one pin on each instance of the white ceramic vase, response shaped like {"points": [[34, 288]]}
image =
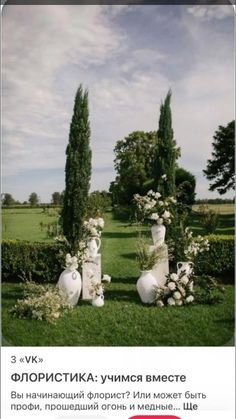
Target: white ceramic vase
{"points": [[94, 245], [146, 287], [158, 234], [187, 268], [70, 283], [98, 301]]}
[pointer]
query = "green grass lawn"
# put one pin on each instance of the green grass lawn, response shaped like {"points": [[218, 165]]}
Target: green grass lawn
{"points": [[124, 320]]}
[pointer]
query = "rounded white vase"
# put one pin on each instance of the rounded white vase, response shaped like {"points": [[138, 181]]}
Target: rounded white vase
{"points": [[158, 234], [146, 287], [98, 301], [70, 283]]}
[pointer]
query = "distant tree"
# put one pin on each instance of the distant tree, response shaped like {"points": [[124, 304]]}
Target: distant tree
{"points": [[8, 199], [56, 198], [98, 203], [78, 170], [33, 199], [62, 197], [220, 169], [167, 152], [185, 184], [134, 160]]}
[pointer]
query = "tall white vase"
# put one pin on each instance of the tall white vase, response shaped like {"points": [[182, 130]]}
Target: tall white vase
{"points": [[146, 287], [70, 283], [158, 234]]}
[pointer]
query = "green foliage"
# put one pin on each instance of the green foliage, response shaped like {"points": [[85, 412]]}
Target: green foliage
{"points": [[22, 259], [33, 199], [220, 257], [41, 302], [208, 290], [98, 203], [147, 258], [78, 170], [134, 166], [167, 153], [209, 219], [56, 198], [220, 169], [185, 183], [8, 200]]}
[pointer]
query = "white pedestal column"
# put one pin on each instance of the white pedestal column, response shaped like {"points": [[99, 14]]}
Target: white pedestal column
{"points": [[162, 268], [91, 271]]}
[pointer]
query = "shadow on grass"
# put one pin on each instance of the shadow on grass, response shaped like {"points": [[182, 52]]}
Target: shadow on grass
{"points": [[130, 296], [121, 235], [121, 280], [132, 255]]}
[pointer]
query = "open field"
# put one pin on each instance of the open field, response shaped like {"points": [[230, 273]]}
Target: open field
{"points": [[220, 208], [124, 320], [24, 224]]}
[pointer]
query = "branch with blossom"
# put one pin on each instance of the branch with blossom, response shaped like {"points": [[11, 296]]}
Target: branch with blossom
{"points": [[194, 246]]}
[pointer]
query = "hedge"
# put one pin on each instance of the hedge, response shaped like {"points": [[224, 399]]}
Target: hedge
{"points": [[220, 257], [43, 262]]}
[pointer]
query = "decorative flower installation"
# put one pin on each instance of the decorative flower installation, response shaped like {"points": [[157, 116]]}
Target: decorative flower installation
{"points": [[97, 287], [93, 227], [177, 291], [194, 246], [71, 262], [153, 208]]}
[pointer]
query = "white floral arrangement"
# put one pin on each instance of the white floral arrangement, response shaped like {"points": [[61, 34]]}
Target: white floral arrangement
{"points": [[94, 226], [177, 291], [194, 246], [71, 262], [151, 207], [97, 287]]}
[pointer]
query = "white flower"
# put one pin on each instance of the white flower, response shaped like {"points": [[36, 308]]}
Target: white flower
{"points": [[189, 299], [184, 280], [161, 203], [177, 295], [166, 215], [100, 222], [164, 177], [147, 206], [93, 231], [160, 221], [172, 199], [154, 216], [179, 302], [160, 303], [106, 278], [171, 286], [157, 195], [174, 277], [171, 301]]}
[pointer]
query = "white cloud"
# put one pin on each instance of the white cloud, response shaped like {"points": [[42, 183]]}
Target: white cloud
{"points": [[211, 12], [49, 50]]}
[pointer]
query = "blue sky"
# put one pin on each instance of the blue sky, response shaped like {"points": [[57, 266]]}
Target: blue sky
{"points": [[128, 57]]}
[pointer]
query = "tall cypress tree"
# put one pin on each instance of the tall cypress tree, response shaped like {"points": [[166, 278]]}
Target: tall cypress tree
{"points": [[166, 152], [77, 170]]}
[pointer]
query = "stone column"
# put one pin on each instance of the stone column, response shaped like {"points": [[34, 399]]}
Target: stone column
{"points": [[91, 271]]}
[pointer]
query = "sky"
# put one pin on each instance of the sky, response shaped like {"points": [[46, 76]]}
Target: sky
{"points": [[128, 57]]}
